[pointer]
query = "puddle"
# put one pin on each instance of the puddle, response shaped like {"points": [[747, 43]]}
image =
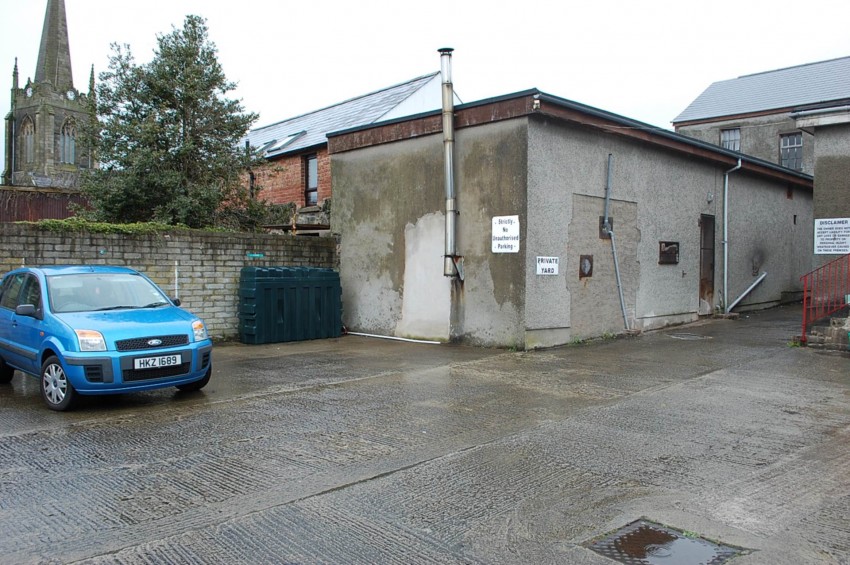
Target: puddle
{"points": [[688, 337], [647, 543]]}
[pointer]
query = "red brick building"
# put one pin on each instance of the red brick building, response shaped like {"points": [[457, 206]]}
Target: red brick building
{"points": [[297, 167]]}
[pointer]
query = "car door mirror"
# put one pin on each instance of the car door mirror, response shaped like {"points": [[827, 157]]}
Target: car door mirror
{"points": [[175, 301], [26, 310]]}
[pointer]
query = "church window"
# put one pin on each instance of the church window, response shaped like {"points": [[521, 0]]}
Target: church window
{"points": [[68, 143], [28, 137]]}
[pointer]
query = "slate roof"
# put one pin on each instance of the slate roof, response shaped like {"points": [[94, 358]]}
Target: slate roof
{"points": [[803, 85], [310, 130]]}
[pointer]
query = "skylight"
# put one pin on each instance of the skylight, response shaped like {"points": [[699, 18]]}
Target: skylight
{"points": [[277, 146]]}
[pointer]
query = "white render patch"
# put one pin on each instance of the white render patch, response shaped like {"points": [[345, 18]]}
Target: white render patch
{"points": [[426, 298]]}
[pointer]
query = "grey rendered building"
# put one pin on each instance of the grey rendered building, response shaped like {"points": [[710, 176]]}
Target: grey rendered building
{"points": [[535, 268], [755, 114]]}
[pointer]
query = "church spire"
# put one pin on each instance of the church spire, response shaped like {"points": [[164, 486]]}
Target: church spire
{"points": [[54, 55], [15, 75]]}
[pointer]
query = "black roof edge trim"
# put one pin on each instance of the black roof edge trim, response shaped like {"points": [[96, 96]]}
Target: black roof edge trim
{"points": [[629, 122], [590, 110]]}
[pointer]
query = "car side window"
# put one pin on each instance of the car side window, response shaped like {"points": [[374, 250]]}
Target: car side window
{"points": [[11, 291], [32, 292]]}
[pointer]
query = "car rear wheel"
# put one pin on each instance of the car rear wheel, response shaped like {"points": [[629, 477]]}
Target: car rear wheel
{"points": [[197, 385], [57, 391], [6, 372]]}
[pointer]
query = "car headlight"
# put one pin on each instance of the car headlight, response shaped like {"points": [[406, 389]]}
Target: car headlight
{"points": [[200, 330], [91, 340]]}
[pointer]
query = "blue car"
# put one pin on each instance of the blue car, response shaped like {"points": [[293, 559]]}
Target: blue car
{"points": [[98, 330]]}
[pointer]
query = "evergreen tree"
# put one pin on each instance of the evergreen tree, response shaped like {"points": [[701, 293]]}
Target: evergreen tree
{"points": [[168, 138]]}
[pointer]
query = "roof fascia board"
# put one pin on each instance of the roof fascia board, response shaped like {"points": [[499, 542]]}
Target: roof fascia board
{"points": [[533, 102], [466, 115], [624, 127]]}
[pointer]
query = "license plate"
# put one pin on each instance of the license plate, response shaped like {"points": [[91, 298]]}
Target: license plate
{"points": [[157, 362]]}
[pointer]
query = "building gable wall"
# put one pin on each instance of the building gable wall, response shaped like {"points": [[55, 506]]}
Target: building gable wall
{"points": [[759, 135], [656, 196], [548, 172]]}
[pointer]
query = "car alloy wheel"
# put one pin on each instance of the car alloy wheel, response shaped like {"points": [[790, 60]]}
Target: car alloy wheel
{"points": [[57, 392]]}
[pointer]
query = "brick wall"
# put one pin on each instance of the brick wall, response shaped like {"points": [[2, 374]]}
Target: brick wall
{"points": [[282, 180], [201, 268]]}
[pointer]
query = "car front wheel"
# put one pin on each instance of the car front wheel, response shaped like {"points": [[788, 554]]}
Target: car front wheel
{"points": [[197, 385], [58, 393], [6, 373]]}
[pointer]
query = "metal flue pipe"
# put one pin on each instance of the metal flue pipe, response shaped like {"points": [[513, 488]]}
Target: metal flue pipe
{"points": [[449, 267]]}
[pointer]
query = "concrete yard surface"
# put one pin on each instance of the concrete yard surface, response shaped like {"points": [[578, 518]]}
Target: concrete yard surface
{"points": [[362, 450]]}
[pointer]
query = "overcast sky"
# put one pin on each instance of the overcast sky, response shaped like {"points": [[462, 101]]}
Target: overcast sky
{"points": [[645, 60]]}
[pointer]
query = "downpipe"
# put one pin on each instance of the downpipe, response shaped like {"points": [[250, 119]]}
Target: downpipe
{"points": [[606, 227], [726, 308], [746, 292]]}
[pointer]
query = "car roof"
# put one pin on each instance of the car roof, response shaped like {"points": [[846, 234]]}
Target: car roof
{"points": [[53, 270]]}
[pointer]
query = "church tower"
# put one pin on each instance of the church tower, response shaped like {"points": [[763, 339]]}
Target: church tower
{"points": [[44, 130]]}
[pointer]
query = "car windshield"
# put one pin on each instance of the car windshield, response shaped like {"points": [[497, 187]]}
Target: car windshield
{"points": [[91, 292]]}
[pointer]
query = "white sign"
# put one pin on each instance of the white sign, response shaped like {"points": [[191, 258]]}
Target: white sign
{"points": [[506, 234], [832, 236], [547, 265]]}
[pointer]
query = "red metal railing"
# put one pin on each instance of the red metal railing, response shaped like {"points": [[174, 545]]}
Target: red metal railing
{"points": [[825, 291]]}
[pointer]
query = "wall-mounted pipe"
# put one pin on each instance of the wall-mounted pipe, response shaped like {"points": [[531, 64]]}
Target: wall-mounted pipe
{"points": [[176, 280], [450, 257], [394, 338], [606, 227], [746, 292], [726, 307]]}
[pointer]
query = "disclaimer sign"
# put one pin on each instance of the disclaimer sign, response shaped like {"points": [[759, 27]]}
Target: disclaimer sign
{"points": [[832, 236]]}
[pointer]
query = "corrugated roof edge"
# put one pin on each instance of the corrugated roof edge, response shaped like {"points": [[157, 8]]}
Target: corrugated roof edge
{"points": [[374, 92], [578, 106]]}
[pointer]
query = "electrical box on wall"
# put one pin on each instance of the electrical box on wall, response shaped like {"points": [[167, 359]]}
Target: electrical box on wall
{"points": [[668, 252], [603, 233], [585, 266]]}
